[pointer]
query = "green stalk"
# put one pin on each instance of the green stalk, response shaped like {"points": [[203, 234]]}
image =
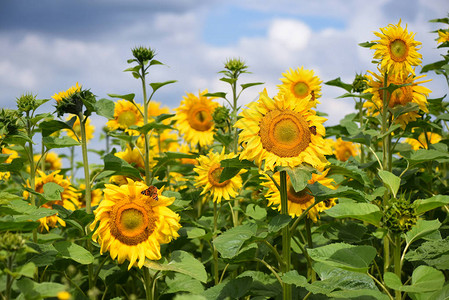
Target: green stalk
{"points": [[148, 282], [215, 252], [362, 152], [9, 279], [72, 163], [310, 270], [88, 194], [397, 261], [286, 288], [145, 121], [235, 212], [32, 169]]}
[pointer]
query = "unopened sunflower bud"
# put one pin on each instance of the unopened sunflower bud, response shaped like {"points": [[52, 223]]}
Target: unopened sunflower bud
{"points": [[359, 84], [26, 103], [143, 54], [11, 242], [221, 117], [235, 65], [400, 216], [9, 121]]}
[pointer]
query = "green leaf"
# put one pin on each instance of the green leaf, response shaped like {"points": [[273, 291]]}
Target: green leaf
{"points": [[48, 127], [292, 277], [52, 191], [133, 69], [217, 95], [402, 109], [16, 165], [232, 166], [392, 181], [157, 85], [321, 192], [129, 97], [105, 107], [424, 155], [338, 83], [362, 96], [181, 262], [434, 253], [263, 284], [182, 283], [367, 44], [192, 232], [350, 171], [298, 177], [256, 212], [433, 66], [18, 226], [150, 126], [155, 62], [247, 85], [34, 290], [421, 229], [424, 205], [74, 252], [361, 211], [23, 211], [345, 256], [424, 279], [189, 297], [26, 270], [6, 197], [230, 242], [233, 289], [278, 222], [120, 166], [59, 142]]}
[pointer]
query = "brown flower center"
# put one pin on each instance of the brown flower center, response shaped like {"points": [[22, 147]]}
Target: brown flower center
{"points": [[284, 133], [126, 119], [398, 50], [301, 89], [214, 176], [200, 118], [132, 223]]}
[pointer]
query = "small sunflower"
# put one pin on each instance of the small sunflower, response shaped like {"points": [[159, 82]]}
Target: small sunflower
{"points": [[52, 161], [132, 226], [414, 93], [125, 115], [12, 155], [343, 150], [209, 172], [421, 142], [69, 197], [194, 119], [301, 83], [443, 36], [299, 201], [283, 131], [65, 94], [397, 50], [132, 156], [77, 128], [96, 196]]}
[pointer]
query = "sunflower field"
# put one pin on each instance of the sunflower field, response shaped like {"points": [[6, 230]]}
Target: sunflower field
{"points": [[218, 200]]}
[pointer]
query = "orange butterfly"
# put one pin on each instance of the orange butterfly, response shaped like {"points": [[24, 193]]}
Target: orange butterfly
{"points": [[151, 191]]}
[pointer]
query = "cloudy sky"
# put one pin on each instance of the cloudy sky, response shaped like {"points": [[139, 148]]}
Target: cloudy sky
{"points": [[47, 46]]}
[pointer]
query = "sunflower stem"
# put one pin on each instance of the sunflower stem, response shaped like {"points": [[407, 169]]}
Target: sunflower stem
{"points": [[215, 252], [72, 162], [286, 288], [148, 282], [32, 167], [397, 261], [145, 121], [362, 152], [310, 270], [88, 194]]}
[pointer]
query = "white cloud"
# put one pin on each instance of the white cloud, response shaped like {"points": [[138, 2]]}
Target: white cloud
{"points": [[292, 34]]}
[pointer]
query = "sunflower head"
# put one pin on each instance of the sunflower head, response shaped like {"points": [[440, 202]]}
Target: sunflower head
{"points": [[282, 132], [132, 156], [422, 142], [443, 36], [397, 50], [343, 150], [301, 83], [209, 172], [126, 114], [133, 225], [73, 100], [194, 119]]}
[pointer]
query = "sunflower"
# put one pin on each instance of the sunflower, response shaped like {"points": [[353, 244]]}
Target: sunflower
{"points": [[52, 161], [77, 128], [155, 109], [194, 119], [132, 156], [412, 93], [343, 150], [96, 196], [299, 201], [125, 115], [12, 155], [282, 132], [209, 172], [69, 197], [443, 36], [397, 49], [131, 225], [421, 142], [65, 94], [301, 83]]}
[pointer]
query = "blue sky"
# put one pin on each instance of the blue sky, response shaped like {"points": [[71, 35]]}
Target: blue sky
{"points": [[47, 46]]}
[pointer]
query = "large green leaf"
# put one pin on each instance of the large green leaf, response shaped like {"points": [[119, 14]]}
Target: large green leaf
{"points": [[361, 211], [321, 192], [421, 229], [34, 290], [105, 107], [120, 166], [59, 142], [229, 242], [74, 252], [299, 177], [424, 155], [181, 262], [182, 283], [129, 97], [345, 256], [392, 181], [157, 85], [424, 205], [48, 127], [434, 253], [233, 289], [52, 191], [278, 222], [256, 212], [424, 279], [337, 82]]}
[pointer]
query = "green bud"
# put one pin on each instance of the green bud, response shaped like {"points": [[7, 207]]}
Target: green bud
{"points": [[400, 216], [11, 242], [9, 121], [359, 84], [26, 103], [235, 65], [221, 117], [143, 54]]}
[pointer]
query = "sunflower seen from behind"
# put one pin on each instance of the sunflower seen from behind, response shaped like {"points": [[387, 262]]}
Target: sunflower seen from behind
{"points": [[397, 50], [194, 119], [283, 131], [209, 171], [132, 225], [298, 202], [412, 93], [443, 36], [301, 83]]}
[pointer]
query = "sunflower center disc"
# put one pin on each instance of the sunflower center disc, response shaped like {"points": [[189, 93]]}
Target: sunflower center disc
{"points": [[284, 133], [398, 50], [301, 89], [127, 118], [401, 96], [301, 197], [214, 176], [130, 223], [200, 118]]}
